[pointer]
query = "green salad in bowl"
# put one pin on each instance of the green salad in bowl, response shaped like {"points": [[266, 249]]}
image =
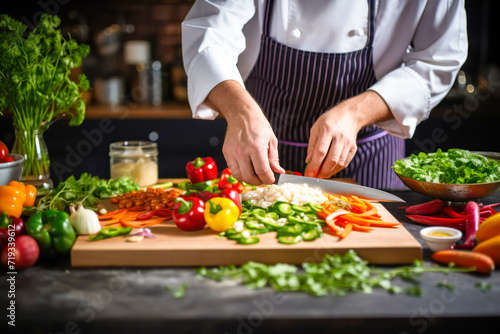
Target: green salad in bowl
{"points": [[455, 175]]}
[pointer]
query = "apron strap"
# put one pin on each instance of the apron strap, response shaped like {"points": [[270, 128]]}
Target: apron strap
{"points": [[371, 28], [267, 17]]}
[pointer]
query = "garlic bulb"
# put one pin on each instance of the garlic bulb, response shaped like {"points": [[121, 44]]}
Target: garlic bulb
{"points": [[84, 221]]}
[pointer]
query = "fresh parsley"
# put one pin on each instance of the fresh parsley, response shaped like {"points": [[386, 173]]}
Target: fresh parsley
{"points": [[455, 166], [35, 81], [335, 274]]}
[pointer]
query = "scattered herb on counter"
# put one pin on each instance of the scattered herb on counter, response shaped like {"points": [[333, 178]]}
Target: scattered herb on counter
{"points": [[483, 286], [181, 291], [88, 190], [446, 285], [455, 166], [335, 274]]}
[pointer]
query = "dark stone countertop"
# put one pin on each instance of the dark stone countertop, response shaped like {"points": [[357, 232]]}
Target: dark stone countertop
{"points": [[53, 297]]}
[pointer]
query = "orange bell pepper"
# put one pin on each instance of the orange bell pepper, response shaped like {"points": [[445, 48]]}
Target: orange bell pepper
{"points": [[12, 200]]}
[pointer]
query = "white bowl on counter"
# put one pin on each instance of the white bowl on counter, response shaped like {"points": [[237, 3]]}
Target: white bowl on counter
{"points": [[440, 238], [11, 171]]}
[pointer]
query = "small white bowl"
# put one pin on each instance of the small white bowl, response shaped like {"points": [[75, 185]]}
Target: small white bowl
{"points": [[437, 243]]}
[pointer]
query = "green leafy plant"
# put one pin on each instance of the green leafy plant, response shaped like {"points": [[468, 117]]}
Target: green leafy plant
{"points": [[455, 166], [35, 82], [88, 189]]}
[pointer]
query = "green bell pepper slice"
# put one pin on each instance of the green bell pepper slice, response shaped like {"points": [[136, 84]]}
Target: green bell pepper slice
{"points": [[248, 241], [284, 209], [110, 232], [310, 235], [288, 239], [52, 231]]}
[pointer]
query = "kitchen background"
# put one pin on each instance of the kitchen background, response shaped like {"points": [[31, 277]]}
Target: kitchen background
{"points": [[139, 87]]}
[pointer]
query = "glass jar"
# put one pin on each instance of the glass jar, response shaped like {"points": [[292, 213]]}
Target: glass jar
{"points": [[135, 159]]}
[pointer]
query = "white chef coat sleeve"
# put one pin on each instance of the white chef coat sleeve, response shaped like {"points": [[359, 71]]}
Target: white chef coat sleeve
{"points": [[212, 40], [429, 67]]}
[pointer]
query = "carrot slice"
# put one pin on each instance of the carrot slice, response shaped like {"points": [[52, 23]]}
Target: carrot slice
{"points": [[382, 223], [358, 220], [144, 223], [112, 214]]}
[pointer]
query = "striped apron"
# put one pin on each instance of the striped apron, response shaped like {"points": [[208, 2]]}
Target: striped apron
{"points": [[295, 87]]}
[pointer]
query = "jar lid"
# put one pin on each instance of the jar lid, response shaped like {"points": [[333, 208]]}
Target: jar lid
{"points": [[133, 149]]}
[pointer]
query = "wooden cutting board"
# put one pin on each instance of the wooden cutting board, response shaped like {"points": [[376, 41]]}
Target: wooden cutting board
{"points": [[174, 247]]}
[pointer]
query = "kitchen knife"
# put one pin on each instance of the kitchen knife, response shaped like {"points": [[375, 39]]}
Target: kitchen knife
{"points": [[337, 187]]}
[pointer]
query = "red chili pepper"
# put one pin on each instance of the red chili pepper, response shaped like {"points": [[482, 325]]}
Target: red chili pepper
{"points": [[451, 211], [437, 221], [471, 225], [189, 213], [227, 181], [232, 194], [428, 208], [201, 170]]}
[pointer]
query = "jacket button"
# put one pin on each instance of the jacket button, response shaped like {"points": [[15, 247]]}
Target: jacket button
{"points": [[296, 33]]}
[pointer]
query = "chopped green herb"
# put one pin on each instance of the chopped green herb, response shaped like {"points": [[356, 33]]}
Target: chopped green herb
{"points": [[446, 285], [455, 166], [335, 274], [181, 291], [415, 291], [483, 286]]}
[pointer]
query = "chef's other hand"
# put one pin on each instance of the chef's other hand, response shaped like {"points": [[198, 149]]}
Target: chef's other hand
{"points": [[250, 146], [332, 142]]}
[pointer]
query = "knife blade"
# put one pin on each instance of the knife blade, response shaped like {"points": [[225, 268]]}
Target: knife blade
{"points": [[338, 188]]}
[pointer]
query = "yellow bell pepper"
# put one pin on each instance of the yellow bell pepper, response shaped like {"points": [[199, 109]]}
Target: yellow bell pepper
{"points": [[221, 213], [12, 200]]}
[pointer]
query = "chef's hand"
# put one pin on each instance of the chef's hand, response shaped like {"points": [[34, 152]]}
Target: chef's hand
{"points": [[250, 146], [332, 142]]}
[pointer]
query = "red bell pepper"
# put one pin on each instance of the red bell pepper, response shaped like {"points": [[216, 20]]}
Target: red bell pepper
{"points": [[232, 194], [188, 213], [227, 181], [201, 170]]}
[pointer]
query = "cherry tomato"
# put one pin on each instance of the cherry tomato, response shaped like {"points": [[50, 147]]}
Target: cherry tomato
{"points": [[4, 151], [23, 255], [8, 159]]}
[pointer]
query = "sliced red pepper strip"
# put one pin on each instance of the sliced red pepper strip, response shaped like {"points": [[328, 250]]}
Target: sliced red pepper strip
{"points": [[145, 215], [163, 212], [346, 231], [334, 228]]}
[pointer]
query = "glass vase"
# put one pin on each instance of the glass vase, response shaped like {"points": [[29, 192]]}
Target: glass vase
{"points": [[31, 145]]}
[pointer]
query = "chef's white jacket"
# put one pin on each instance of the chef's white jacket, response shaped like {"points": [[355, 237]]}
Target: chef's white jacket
{"points": [[419, 46]]}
